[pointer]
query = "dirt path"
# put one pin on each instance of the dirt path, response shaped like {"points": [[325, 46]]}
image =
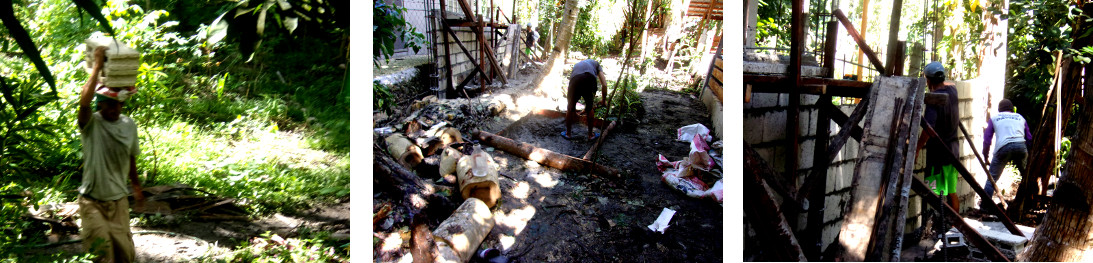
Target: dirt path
{"points": [[177, 239]]}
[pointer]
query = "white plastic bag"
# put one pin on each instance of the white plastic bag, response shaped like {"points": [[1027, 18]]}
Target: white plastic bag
{"points": [[687, 133]]}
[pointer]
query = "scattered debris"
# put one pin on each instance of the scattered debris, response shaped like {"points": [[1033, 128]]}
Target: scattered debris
{"points": [[662, 221], [183, 199], [690, 175]]}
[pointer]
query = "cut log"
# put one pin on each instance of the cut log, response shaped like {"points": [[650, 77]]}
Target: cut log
{"points": [[422, 243], [544, 156], [414, 190], [448, 160], [406, 152], [438, 139], [478, 176], [462, 232]]}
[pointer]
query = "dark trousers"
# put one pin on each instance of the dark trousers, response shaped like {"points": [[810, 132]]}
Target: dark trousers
{"points": [[1011, 152]]}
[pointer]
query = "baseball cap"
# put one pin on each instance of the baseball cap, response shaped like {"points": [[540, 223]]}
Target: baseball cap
{"points": [[935, 70]]}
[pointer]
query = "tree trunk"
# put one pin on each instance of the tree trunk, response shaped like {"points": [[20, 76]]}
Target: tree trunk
{"points": [[1064, 234], [556, 62]]}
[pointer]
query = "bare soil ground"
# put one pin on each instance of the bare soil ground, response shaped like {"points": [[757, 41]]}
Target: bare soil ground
{"points": [[549, 215]]}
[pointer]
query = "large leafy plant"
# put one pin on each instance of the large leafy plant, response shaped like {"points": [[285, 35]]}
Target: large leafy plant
{"points": [[248, 20], [389, 25]]}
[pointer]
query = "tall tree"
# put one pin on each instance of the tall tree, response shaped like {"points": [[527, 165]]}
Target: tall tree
{"points": [[551, 74], [1064, 234]]}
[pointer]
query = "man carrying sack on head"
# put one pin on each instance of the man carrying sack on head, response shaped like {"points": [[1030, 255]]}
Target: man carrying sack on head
{"points": [[110, 149]]}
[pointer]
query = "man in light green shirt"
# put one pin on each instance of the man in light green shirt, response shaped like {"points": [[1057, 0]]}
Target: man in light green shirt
{"points": [[110, 149]]}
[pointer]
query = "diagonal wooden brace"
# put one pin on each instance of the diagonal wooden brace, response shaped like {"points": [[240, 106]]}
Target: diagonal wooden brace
{"points": [[976, 239]]}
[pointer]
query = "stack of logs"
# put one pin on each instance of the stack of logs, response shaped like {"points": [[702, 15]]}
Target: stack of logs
{"points": [[457, 237]]}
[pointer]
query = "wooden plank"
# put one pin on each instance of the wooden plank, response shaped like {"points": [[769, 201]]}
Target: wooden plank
{"points": [[515, 58], [864, 200], [753, 163], [717, 74], [599, 141], [747, 93], [834, 87], [813, 238], [719, 62], [715, 86], [968, 138], [861, 42], [970, 233], [908, 173], [830, 44], [465, 51], [893, 39], [774, 231], [793, 132]]}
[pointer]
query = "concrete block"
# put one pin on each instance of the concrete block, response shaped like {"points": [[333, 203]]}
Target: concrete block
{"points": [[807, 152], [807, 123], [998, 236], [833, 173], [753, 129], [829, 234], [783, 99], [809, 99], [762, 100], [776, 122], [831, 207], [778, 161]]}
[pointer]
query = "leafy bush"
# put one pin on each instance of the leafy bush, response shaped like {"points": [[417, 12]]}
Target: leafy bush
{"points": [[389, 25]]}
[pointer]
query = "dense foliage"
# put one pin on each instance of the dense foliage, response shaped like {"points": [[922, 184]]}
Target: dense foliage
{"points": [[269, 128], [1038, 28]]}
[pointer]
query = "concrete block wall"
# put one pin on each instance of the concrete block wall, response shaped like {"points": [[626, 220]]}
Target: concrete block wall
{"points": [[764, 129]]}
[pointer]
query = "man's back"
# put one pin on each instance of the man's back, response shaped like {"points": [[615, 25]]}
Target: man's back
{"points": [[586, 66], [945, 120], [1008, 127]]}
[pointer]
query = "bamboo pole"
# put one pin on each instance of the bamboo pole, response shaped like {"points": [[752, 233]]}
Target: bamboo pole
{"points": [[864, 27]]}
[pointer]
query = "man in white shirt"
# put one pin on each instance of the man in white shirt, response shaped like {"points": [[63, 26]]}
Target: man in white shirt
{"points": [[1010, 133]]}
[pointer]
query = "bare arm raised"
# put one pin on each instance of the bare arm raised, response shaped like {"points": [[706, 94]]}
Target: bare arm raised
{"points": [[88, 90]]}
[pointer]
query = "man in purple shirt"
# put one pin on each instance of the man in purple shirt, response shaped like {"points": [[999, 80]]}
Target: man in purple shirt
{"points": [[1010, 132]]}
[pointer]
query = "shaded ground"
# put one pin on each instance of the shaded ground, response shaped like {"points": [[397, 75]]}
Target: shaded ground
{"points": [[553, 216]]}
